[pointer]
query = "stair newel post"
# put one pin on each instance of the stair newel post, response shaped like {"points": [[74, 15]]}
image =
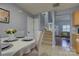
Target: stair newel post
{"points": [[53, 29]]}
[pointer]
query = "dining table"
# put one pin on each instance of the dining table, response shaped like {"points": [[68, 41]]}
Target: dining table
{"points": [[18, 48]]}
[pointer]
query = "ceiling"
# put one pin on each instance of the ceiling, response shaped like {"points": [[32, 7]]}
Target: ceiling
{"points": [[35, 8]]}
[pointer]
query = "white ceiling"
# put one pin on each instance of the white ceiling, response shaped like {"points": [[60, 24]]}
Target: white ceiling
{"points": [[35, 8]]}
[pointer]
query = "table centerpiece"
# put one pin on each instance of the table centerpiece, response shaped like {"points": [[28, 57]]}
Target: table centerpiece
{"points": [[11, 34]]}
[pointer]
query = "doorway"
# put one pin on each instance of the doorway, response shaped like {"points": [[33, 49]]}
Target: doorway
{"points": [[63, 30]]}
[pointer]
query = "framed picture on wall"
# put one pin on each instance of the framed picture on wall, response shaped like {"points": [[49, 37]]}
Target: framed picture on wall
{"points": [[4, 16]]}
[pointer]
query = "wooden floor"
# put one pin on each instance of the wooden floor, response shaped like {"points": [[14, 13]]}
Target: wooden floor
{"points": [[56, 51], [47, 50]]}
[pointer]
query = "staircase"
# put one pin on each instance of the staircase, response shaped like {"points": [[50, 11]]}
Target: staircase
{"points": [[47, 38]]}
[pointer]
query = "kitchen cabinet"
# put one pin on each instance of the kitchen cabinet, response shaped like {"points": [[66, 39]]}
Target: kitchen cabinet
{"points": [[73, 41], [76, 42], [76, 18]]}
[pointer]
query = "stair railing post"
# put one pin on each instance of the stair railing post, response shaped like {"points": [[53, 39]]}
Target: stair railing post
{"points": [[53, 29]]}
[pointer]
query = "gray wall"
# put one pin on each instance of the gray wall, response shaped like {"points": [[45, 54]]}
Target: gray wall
{"points": [[62, 17], [18, 19], [62, 20], [45, 18], [65, 16], [42, 21], [49, 17]]}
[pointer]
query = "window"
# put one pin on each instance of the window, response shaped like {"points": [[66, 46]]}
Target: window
{"points": [[66, 28]]}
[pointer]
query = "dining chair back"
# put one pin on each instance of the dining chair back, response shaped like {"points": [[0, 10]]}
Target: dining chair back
{"points": [[39, 39]]}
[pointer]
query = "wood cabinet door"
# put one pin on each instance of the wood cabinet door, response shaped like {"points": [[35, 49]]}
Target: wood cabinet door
{"points": [[76, 18], [75, 44], [73, 41]]}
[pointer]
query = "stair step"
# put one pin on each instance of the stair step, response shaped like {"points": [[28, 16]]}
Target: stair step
{"points": [[48, 33], [45, 42], [47, 36]]}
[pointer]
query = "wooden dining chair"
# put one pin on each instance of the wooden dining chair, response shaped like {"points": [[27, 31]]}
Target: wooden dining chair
{"points": [[38, 38]]}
